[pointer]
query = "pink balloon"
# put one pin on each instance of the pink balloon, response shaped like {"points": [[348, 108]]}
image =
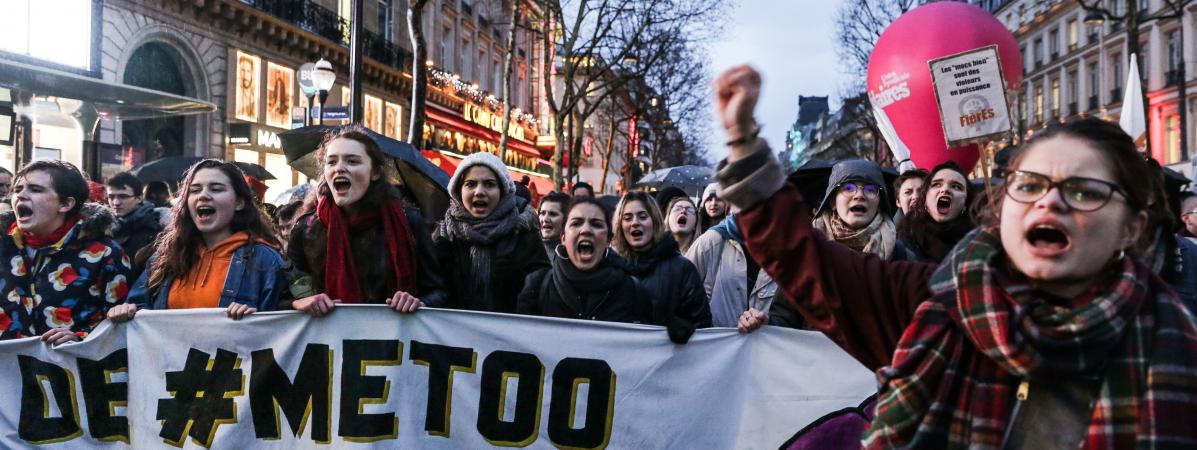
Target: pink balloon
{"points": [[899, 79]]}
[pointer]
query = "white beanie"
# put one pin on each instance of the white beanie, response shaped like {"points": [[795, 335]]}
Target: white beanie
{"points": [[491, 162], [712, 189]]}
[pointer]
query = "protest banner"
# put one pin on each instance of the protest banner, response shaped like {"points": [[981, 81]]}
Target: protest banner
{"points": [[971, 95], [366, 377]]}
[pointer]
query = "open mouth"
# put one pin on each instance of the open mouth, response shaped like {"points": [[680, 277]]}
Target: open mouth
{"points": [[943, 205], [858, 209], [585, 248], [204, 212], [24, 211], [479, 205], [1048, 239], [683, 220], [636, 234], [341, 185]]}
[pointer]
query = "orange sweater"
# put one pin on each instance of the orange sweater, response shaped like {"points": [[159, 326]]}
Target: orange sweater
{"points": [[202, 285]]}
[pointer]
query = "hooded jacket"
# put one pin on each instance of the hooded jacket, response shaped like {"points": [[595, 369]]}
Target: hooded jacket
{"points": [[727, 273], [672, 281], [255, 275], [71, 283], [137, 230]]}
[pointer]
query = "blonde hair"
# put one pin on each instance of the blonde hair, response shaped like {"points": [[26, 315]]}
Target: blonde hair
{"points": [[619, 242]]}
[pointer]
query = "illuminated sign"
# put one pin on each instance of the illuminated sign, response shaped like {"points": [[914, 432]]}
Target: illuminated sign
{"points": [[59, 32], [492, 121], [267, 138]]}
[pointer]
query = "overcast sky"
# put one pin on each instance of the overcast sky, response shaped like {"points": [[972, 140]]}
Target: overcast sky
{"points": [[791, 44]]}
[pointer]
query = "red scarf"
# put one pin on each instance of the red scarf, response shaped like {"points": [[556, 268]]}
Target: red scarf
{"points": [[340, 275], [34, 241]]}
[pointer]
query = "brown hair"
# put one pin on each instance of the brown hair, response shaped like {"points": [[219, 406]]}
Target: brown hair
{"points": [[378, 189], [620, 242], [177, 248]]}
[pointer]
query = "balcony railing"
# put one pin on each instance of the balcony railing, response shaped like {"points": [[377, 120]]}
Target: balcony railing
{"points": [[1171, 77], [1092, 102], [1115, 95], [1055, 55], [1072, 47], [312, 17], [1092, 37]]}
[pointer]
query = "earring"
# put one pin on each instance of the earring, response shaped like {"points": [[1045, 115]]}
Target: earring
{"points": [[557, 251], [1121, 254]]}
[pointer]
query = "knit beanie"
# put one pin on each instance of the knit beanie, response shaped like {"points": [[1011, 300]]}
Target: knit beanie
{"points": [[490, 161]]}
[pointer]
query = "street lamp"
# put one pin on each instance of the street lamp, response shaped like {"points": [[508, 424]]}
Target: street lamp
{"points": [[1095, 18], [324, 78]]}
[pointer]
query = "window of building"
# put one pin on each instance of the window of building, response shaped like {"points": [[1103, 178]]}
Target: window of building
{"points": [[496, 68], [1094, 85], [1116, 72], [447, 61], [1073, 35], [1053, 44], [1072, 93], [1037, 106], [345, 11], [1172, 140], [386, 20], [1038, 52], [1173, 54], [1055, 97], [466, 65]]}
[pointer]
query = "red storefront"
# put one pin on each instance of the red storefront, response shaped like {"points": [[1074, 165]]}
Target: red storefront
{"points": [[450, 136]]}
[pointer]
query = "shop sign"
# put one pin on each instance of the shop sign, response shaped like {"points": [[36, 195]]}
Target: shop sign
{"points": [[267, 138], [492, 121]]}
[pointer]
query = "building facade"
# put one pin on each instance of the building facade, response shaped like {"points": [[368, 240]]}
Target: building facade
{"points": [[1073, 69], [244, 57]]}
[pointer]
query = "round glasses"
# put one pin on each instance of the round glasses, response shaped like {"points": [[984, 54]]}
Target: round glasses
{"points": [[869, 190], [679, 209], [1079, 193]]}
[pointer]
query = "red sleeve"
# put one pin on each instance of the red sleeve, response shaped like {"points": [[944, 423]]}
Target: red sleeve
{"points": [[860, 301]]}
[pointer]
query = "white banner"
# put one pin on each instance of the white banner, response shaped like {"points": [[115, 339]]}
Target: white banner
{"points": [[366, 377], [971, 94]]}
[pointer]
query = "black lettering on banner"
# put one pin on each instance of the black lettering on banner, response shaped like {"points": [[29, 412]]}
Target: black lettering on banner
{"points": [[202, 397], [442, 362], [270, 389], [600, 403], [358, 389], [35, 425], [101, 396], [496, 370]]}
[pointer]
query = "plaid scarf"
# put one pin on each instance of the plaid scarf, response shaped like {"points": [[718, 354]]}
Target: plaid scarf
{"points": [[955, 371]]}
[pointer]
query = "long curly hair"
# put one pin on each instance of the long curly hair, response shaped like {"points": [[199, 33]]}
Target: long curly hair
{"points": [[177, 248]]}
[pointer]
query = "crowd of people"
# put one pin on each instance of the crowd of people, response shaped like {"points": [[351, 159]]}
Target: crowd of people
{"points": [[1064, 290]]}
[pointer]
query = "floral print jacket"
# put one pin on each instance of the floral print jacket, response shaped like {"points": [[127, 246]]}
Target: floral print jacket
{"points": [[71, 283]]}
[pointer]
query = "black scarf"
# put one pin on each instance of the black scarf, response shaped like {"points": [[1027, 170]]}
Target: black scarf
{"points": [[640, 264], [576, 285], [933, 240]]}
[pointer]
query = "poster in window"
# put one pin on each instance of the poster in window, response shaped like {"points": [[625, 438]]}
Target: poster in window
{"points": [[247, 87], [280, 90], [372, 114], [394, 112]]}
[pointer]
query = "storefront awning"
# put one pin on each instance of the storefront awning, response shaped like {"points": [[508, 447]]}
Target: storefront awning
{"points": [[540, 184], [86, 98]]}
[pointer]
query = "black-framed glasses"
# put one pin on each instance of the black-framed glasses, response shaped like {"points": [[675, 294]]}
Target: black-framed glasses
{"points": [[1079, 193], [869, 190]]}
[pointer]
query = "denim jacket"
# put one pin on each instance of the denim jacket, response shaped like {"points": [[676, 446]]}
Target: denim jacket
{"points": [[255, 278]]}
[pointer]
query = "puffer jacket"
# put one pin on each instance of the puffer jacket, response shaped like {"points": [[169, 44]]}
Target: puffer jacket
{"points": [[515, 257], [307, 249], [630, 302], [256, 278], [723, 266], [71, 283], [672, 281], [138, 230]]}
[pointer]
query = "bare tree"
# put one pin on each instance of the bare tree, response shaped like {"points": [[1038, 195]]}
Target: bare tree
{"points": [[601, 44], [508, 68], [419, 72]]}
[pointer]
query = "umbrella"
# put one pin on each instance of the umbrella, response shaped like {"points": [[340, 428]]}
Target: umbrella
{"points": [[691, 179], [294, 194], [171, 169], [811, 180], [426, 183]]}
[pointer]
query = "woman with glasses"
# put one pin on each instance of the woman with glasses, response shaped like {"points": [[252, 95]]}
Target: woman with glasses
{"points": [[851, 211], [682, 219], [1040, 330]]}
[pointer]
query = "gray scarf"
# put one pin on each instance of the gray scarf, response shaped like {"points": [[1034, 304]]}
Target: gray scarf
{"points": [[481, 234]]}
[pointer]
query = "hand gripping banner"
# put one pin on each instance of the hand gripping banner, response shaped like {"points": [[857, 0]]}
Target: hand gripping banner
{"points": [[366, 377]]}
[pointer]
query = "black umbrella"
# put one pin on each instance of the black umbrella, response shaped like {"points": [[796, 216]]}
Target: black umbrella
{"points": [[171, 169], [426, 183], [811, 180], [691, 179]]}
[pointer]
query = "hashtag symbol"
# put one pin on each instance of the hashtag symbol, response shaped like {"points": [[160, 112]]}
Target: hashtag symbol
{"points": [[202, 397]]}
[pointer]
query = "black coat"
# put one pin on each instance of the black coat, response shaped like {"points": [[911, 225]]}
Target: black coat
{"points": [[136, 231], [673, 283], [628, 303], [515, 256], [307, 249]]}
